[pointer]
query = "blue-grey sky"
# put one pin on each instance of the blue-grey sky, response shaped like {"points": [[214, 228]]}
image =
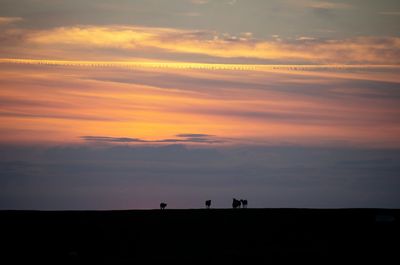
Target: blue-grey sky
{"points": [[126, 177], [286, 18]]}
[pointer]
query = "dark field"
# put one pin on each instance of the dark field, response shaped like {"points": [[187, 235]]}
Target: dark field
{"points": [[215, 236]]}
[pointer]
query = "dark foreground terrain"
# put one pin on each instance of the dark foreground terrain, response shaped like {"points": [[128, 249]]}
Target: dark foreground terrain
{"points": [[215, 236]]}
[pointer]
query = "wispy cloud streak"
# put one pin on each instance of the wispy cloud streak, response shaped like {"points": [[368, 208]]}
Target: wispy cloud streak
{"points": [[9, 20]]}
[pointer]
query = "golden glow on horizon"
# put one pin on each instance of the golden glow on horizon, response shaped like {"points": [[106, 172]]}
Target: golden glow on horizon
{"points": [[156, 101]]}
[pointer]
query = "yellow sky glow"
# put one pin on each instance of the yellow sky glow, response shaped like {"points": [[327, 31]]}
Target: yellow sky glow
{"points": [[59, 101]]}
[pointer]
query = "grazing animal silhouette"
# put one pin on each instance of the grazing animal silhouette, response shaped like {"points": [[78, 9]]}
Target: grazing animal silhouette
{"points": [[244, 203], [208, 204], [163, 205], [236, 203]]}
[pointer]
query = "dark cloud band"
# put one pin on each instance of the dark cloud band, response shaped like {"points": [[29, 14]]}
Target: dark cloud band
{"points": [[182, 138]]}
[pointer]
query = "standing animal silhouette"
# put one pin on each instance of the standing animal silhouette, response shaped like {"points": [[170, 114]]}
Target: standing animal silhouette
{"points": [[208, 204], [163, 205], [244, 203], [236, 203]]}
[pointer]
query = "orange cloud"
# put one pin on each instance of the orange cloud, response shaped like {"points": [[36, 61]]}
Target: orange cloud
{"points": [[326, 5], [360, 50], [9, 20]]}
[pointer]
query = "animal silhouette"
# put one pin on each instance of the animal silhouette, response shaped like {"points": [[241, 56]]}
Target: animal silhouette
{"points": [[208, 204], [236, 203], [244, 203], [163, 205]]}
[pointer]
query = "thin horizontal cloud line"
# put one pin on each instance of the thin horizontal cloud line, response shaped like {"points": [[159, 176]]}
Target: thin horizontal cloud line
{"points": [[112, 139], [10, 20], [390, 13], [194, 65], [194, 135], [328, 5], [180, 138], [302, 118], [54, 116]]}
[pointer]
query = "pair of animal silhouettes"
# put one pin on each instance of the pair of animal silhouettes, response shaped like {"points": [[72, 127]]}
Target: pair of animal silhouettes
{"points": [[235, 204], [238, 203]]}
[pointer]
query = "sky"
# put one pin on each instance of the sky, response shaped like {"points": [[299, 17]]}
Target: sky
{"points": [[125, 104]]}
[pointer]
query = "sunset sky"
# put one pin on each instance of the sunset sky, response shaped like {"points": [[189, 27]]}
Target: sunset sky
{"points": [[124, 104]]}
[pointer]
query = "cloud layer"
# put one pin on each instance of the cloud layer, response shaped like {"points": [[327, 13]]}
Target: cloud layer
{"points": [[149, 43]]}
